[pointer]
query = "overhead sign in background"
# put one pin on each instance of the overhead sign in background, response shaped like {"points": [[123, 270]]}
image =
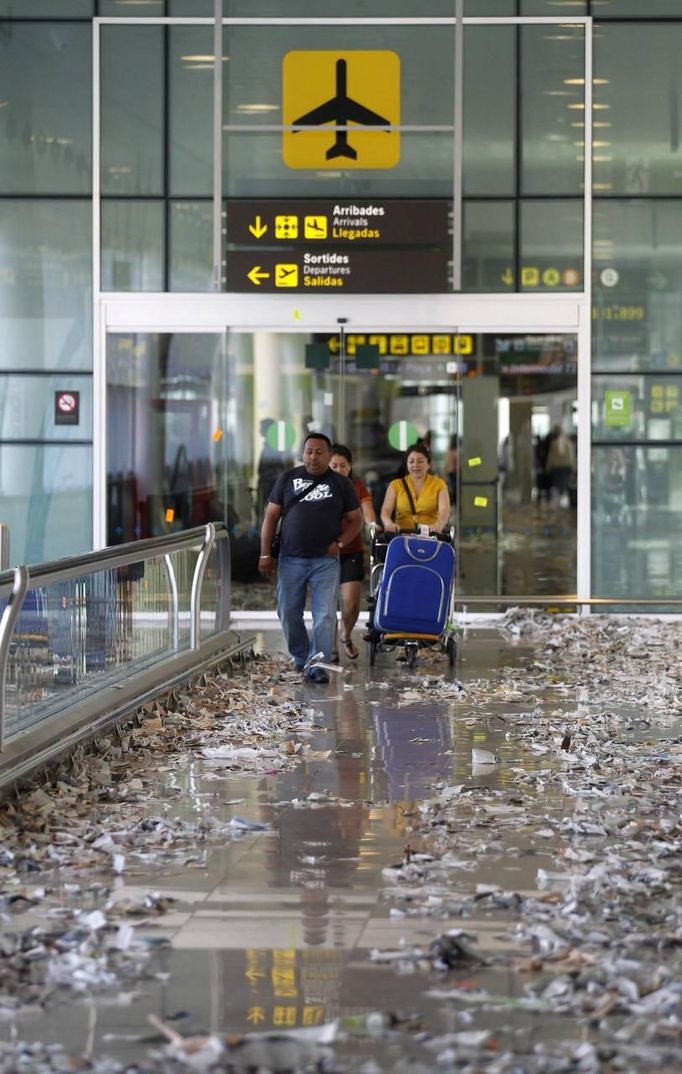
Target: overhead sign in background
{"points": [[353, 270], [341, 107], [402, 345], [306, 222]]}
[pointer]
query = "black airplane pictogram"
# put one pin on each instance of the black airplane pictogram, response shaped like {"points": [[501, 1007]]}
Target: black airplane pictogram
{"points": [[341, 109]]}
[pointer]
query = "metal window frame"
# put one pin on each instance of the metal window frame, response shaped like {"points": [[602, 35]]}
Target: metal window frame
{"points": [[453, 311]]}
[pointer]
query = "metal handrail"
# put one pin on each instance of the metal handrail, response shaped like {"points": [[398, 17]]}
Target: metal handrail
{"points": [[115, 556], [173, 665]]}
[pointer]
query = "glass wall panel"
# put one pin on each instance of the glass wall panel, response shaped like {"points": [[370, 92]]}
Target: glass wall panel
{"points": [[552, 109], [191, 246], [637, 407], [551, 247], [253, 167], [191, 111], [637, 284], [28, 407], [142, 8], [637, 521], [639, 93], [489, 110], [488, 246], [196, 8], [166, 433], [633, 9], [271, 65], [356, 9], [489, 7], [45, 9], [133, 249], [46, 285], [46, 493], [552, 7], [45, 105], [132, 109]]}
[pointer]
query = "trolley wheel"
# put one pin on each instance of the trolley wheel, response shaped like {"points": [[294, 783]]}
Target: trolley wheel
{"points": [[372, 645], [411, 654], [451, 650]]}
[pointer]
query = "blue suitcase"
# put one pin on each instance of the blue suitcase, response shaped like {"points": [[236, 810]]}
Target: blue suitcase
{"points": [[414, 592]]}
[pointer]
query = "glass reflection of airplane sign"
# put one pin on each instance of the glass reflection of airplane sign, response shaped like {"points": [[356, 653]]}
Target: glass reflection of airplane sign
{"points": [[373, 110]]}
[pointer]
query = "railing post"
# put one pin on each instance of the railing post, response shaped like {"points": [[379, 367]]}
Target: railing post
{"points": [[174, 605], [9, 618], [4, 546], [197, 583]]}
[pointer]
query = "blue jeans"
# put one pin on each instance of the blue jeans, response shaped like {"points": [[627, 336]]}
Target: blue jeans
{"points": [[294, 575]]}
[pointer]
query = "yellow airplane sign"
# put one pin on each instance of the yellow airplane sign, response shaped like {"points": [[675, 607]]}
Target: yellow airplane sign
{"points": [[341, 106]]}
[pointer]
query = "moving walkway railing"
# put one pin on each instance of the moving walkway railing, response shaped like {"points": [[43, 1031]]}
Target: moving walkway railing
{"points": [[86, 638]]}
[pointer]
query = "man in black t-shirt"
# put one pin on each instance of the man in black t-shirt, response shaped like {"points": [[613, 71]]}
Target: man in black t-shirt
{"points": [[314, 528]]}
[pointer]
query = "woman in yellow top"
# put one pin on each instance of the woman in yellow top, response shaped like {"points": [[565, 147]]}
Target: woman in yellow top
{"points": [[429, 494]]}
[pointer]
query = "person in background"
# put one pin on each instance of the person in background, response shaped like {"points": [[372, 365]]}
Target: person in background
{"points": [[320, 516], [352, 558], [271, 464], [560, 463], [430, 504], [452, 466]]}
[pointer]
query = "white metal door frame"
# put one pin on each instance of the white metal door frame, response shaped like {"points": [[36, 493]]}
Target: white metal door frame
{"points": [[536, 314]]}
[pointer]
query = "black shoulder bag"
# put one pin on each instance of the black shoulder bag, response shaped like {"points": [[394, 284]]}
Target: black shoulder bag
{"points": [[413, 509], [277, 539]]}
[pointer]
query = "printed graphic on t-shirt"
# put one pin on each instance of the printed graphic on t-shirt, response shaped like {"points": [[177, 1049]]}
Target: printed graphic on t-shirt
{"points": [[320, 492]]}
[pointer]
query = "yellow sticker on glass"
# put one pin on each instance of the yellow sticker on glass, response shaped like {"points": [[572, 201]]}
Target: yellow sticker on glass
{"points": [[480, 501], [476, 461]]}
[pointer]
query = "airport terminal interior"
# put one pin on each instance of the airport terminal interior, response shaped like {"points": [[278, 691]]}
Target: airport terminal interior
{"points": [[228, 224]]}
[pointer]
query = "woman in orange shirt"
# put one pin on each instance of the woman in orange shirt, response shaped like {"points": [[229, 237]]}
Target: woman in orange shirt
{"points": [[430, 504]]}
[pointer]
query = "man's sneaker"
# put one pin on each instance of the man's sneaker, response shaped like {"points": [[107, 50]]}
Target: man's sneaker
{"points": [[317, 675]]}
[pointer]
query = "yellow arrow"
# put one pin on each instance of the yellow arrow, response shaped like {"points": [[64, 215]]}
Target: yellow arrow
{"points": [[256, 275], [507, 276], [258, 228]]}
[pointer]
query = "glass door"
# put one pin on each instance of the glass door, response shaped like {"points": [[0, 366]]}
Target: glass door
{"points": [[516, 463], [200, 424]]}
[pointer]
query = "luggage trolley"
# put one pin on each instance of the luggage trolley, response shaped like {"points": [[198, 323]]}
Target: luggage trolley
{"points": [[411, 590]]}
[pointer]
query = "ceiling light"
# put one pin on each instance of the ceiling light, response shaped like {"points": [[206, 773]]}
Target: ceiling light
{"points": [[581, 107], [202, 57], [556, 93], [602, 186], [254, 109], [581, 81]]}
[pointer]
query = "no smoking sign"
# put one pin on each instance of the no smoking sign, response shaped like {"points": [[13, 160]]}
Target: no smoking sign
{"points": [[66, 408]]}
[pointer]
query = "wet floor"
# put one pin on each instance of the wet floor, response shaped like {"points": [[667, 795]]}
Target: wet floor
{"points": [[276, 929]]}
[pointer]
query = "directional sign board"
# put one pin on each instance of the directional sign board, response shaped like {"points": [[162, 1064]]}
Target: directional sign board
{"points": [[318, 271], [400, 222]]}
